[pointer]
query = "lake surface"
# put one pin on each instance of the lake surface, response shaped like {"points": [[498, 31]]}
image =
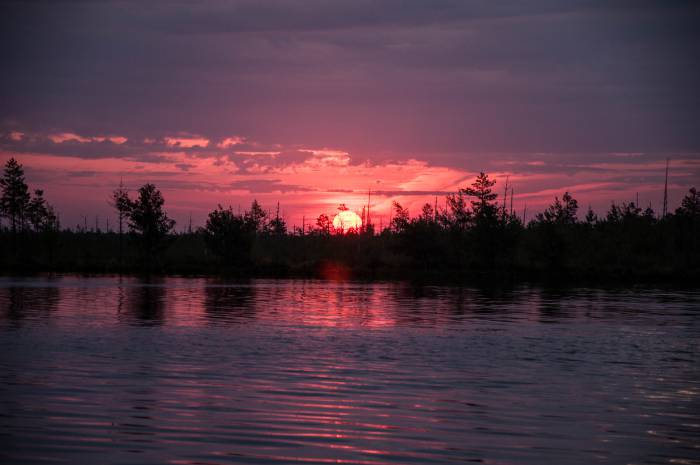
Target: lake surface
{"points": [[201, 371]]}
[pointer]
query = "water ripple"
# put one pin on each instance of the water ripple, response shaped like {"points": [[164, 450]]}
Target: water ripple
{"points": [[197, 371]]}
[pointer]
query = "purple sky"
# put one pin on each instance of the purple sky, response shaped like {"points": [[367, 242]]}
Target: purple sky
{"points": [[311, 103]]}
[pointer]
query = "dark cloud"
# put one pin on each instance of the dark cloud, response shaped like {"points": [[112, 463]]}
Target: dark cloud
{"points": [[81, 174], [184, 166], [407, 78], [246, 155], [265, 186], [267, 161], [88, 146]]}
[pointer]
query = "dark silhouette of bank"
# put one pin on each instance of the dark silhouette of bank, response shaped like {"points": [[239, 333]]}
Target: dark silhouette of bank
{"points": [[32, 223], [476, 233]]}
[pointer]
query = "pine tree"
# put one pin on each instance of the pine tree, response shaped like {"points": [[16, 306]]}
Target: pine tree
{"points": [[591, 217], [256, 218], [459, 215], [278, 226], [120, 201], [690, 205], [149, 221], [40, 215], [401, 219], [484, 205], [561, 211], [15, 196]]}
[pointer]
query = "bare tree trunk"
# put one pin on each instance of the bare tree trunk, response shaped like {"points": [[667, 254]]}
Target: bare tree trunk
{"points": [[121, 222]]}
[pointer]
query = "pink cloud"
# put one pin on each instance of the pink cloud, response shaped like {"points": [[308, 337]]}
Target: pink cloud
{"points": [[231, 141], [62, 137], [255, 154], [113, 139], [187, 142], [68, 136]]}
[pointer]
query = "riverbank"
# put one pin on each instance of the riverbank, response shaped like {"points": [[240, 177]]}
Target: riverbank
{"points": [[585, 257]]}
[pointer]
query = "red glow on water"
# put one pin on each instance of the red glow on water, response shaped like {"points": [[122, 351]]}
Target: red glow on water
{"points": [[334, 271]]}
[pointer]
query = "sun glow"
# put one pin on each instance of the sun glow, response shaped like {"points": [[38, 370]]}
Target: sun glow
{"points": [[346, 220]]}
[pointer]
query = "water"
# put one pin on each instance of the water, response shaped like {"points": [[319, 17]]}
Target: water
{"points": [[196, 371]]}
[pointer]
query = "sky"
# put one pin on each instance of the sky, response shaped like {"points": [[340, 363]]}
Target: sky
{"points": [[313, 103]]}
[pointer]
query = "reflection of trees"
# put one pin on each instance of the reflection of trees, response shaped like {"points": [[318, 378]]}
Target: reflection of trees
{"points": [[229, 302], [19, 302], [145, 302], [428, 305], [554, 305], [415, 305]]}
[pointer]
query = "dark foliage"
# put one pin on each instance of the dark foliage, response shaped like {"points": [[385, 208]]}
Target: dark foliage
{"points": [[14, 201], [30, 217], [147, 221], [229, 236], [474, 234]]}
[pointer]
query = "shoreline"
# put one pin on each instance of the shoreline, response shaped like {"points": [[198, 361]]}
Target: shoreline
{"points": [[496, 279]]}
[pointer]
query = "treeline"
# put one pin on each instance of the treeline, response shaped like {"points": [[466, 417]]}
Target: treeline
{"points": [[474, 234]]}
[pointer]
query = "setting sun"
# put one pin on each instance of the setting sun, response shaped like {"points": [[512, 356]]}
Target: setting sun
{"points": [[346, 220]]}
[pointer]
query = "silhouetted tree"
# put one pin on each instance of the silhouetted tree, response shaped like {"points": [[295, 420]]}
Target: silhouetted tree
{"points": [[560, 212], [459, 216], [323, 224], [623, 212], [27, 214], [591, 217], [400, 221], [256, 218], [420, 238], [626, 239], [486, 236], [15, 196], [649, 214], [690, 205], [427, 214], [687, 229], [40, 214], [555, 232], [120, 201], [149, 222], [228, 236], [484, 205], [277, 225]]}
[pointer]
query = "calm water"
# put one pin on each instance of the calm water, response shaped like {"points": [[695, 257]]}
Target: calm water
{"points": [[194, 371]]}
